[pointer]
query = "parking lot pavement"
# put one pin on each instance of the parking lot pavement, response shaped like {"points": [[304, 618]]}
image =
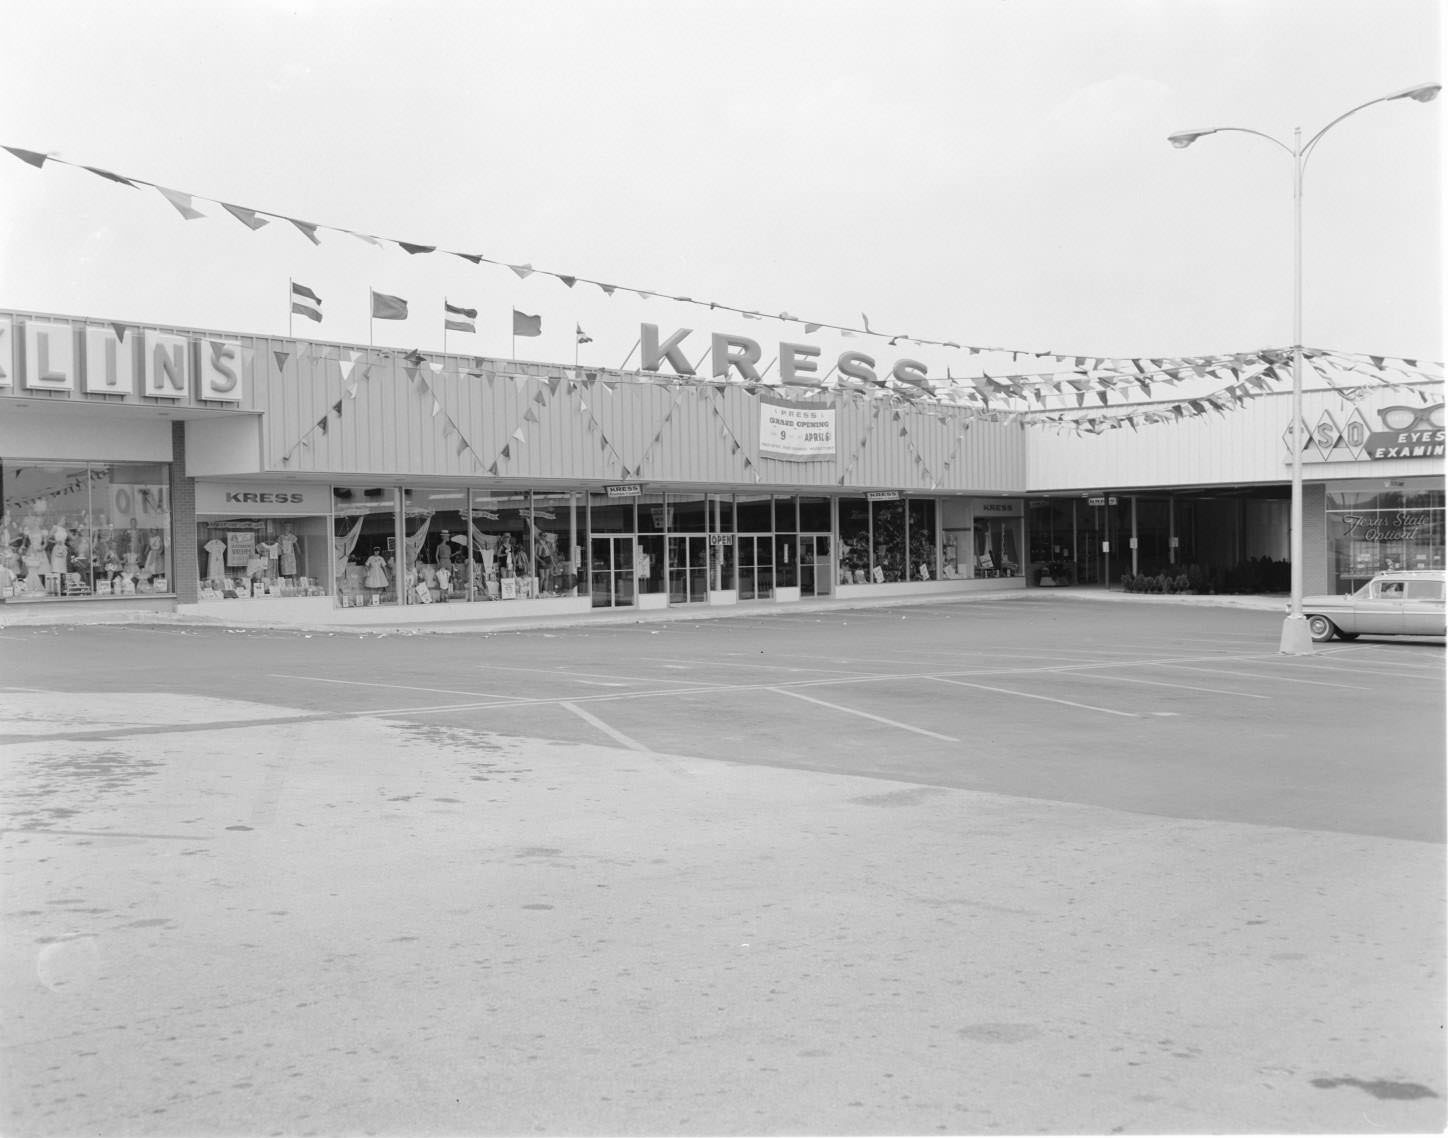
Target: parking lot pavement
{"points": [[754, 877]]}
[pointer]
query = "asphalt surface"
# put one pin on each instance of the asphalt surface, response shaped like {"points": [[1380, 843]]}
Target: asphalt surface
{"points": [[1015, 864]]}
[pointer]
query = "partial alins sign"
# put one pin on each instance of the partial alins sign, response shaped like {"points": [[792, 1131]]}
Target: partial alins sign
{"points": [[99, 359]]}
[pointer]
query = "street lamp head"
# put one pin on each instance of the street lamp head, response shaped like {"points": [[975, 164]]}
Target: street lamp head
{"points": [[1184, 138], [1422, 93]]}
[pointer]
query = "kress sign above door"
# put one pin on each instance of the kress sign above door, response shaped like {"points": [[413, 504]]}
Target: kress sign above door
{"points": [[90, 359]]}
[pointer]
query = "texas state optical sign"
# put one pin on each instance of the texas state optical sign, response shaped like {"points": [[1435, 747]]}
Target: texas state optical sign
{"points": [[47, 355], [1403, 431]]}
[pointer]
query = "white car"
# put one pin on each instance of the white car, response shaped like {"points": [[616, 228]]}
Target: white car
{"points": [[1401, 602]]}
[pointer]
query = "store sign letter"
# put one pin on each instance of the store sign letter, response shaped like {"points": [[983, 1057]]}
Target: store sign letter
{"points": [[164, 370], [220, 378], [652, 353], [110, 365], [734, 351], [49, 358]]}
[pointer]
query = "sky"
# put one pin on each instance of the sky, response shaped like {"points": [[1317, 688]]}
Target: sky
{"points": [[989, 172]]}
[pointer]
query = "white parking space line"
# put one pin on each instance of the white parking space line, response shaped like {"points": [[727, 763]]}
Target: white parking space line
{"points": [[390, 687], [1368, 665], [1164, 684], [864, 715], [616, 736], [1033, 695], [1261, 676], [754, 665], [569, 674]]}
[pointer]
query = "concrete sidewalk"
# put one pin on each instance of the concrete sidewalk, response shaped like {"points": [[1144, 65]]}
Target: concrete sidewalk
{"points": [[26, 615]]}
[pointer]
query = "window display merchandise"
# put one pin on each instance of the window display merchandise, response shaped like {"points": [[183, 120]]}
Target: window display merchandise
{"points": [[241, 558], [59, 537]]}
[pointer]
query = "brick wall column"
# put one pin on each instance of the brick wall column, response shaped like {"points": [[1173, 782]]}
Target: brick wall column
{"points": [[185, 570]]}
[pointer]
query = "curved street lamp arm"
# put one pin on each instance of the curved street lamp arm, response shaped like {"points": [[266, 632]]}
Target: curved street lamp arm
{"points": [[1259, 134], [1313, 141]]}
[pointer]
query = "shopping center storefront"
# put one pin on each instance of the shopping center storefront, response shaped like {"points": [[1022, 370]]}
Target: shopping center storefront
{"points": [[201, 471], [206, 471]]}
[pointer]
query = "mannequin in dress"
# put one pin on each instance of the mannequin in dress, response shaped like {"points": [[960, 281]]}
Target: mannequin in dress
{"points": [[376, 579], [59, 547], [155, 557], [215, 560], [287, 542]]}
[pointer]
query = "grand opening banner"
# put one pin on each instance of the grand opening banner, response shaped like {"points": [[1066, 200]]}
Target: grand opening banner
{"points": [[802, 432]]}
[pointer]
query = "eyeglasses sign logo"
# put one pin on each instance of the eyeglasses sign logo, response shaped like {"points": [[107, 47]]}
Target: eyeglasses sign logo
{"points": [[1411, 432]]}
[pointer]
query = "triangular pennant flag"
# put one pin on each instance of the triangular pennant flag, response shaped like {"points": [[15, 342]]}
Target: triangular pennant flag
{"points": [[322, 424], [493, 470], [523, 271], [475, 258], [120, 331], [608, 289], [569, 281], [436, 408], [246, 216], [411, 248], [518, 434], [507, 454], [281, 358], [351, 390], [307, 230], [337, 407], [109, 176], [181, 201], [30, 156], [462, 444]]}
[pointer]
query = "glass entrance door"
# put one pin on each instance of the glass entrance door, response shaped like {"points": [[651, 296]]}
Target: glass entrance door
{"points": [[814, 565], [756, 566], [612, 571], [688, 570]]}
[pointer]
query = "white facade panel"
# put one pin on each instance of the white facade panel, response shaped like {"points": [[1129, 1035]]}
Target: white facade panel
{"points": [[31, 433], [1244, 446]]}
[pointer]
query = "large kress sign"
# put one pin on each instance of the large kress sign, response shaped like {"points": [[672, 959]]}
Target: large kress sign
{"points": [[104, 360], [798, 363]]}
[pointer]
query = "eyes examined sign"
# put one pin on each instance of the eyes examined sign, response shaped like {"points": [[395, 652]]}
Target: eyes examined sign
{"points": [[801, 432]]}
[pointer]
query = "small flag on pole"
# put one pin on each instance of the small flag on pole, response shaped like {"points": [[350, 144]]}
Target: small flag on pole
{"points": [[301, 294], [583, 337], [525, 325], [386, 307], [458, 319]]}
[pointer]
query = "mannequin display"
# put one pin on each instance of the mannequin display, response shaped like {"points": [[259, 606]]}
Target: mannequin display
{"points": [[444, 581], [271, 551], [155, 557], [215, 560], [37, 564], [288, 544], [131, 569], [443, 555], [134, 543], [59, 549], [376, 579]]}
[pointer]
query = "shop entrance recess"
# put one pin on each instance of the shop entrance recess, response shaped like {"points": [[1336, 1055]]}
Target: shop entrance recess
{"points": [[756, 566], [612, 565], [688, 569]]}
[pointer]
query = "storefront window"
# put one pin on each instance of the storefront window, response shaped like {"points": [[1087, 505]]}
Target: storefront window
{"points": [[439, 568], [997, 546], [655, 518], [503, 543], [888, 526], [558, 528], [1370, 531], [854, 541], [252, 556], [923, 566], [85, 529], [365, 545]]}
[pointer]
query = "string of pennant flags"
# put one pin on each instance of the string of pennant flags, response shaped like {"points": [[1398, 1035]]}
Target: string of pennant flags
{"points": [[1121, 388]]}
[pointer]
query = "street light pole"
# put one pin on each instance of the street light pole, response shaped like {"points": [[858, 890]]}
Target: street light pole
{"points": [[1296, 640]]}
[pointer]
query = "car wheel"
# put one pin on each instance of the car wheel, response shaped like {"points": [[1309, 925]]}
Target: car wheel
{"points": [[1321, 628]]}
